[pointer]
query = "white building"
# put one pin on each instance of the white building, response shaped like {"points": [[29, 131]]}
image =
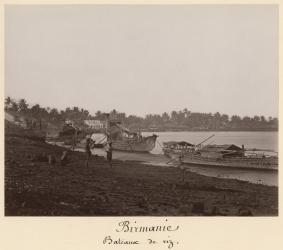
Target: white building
{"points": [[95, 124]]}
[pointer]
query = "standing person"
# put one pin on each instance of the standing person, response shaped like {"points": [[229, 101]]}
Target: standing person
{"points": [[108, 148], [64, 158], [74, 140], [87, 150], [178, 163], [182, 167]]}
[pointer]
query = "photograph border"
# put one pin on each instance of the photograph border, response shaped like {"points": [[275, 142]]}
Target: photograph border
{"points": [[87, 233]]}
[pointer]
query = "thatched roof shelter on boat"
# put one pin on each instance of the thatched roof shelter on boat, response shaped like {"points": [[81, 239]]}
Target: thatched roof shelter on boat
{"points": [[178, 143], [221, 151]]}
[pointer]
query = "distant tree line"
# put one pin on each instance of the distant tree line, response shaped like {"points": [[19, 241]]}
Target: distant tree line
{"points": [[176, 120], [51, 115]]}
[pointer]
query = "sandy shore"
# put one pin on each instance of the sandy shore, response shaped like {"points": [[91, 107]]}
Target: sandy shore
{"points": [[34, 188]]}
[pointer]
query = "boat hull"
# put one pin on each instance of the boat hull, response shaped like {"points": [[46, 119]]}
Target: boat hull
{"points": [[264, 164], [146, 144], [268, 163]]}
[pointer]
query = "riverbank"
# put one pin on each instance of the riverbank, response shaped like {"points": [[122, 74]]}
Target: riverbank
{"points": [[34, 188], [253, 175]]}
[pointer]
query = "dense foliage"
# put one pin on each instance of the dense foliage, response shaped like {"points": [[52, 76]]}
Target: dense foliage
{"points": [[176, 120]]}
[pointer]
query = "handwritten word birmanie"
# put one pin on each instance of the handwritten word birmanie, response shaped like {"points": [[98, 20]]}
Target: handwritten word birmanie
{"points": [[127, 226]]}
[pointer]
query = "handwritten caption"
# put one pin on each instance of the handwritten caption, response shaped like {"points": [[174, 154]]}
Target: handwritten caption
{"points": [[129, 229]]}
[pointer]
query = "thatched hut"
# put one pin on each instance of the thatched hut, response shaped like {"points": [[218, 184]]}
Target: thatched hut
{"points": [[221, 151]]}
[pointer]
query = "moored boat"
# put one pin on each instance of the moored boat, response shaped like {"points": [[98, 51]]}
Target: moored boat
{"points": [[125, 140], [178, 148], [267, 163], [220, 156], [143, 144]]}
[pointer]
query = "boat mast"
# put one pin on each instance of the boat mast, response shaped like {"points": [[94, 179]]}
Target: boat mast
{"points": [[107, 126], [205, 140]]}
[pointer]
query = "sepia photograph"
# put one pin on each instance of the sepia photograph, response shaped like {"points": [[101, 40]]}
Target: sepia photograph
{"points": [[141, 110]]}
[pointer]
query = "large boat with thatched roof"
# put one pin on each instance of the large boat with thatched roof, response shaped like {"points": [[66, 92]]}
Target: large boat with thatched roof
{"points": [[228, 155], [125, 140]]}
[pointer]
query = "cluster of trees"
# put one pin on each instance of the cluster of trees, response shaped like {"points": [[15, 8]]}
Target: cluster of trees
{"points": [[187, 120], [176, 120], [52, 115]]}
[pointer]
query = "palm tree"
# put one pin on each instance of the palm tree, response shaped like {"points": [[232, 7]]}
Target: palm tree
{"points": [[36, 111], [8, 103], [15, 106], [165, 117], [22, 105]]}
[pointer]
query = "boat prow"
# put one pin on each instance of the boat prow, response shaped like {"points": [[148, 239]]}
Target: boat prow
{"points": [[141, 144]]}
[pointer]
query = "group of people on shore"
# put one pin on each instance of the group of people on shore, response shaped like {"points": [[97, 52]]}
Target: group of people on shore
{"points": [[107, 147]]}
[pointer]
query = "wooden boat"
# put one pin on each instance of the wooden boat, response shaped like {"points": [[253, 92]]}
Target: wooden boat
{"points": [[124, 140], [219, 156], [182, 148], [176, 148], [65, 133], [267, 163], [144, 144]]}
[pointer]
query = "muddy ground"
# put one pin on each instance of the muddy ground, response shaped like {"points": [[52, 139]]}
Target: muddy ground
{"points": [[35, 188]]}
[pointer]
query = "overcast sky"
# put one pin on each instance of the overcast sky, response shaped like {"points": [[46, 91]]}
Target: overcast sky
{"points": [[144, 59]]}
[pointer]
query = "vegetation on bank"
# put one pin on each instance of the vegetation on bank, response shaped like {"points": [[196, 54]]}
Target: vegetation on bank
{"points": [[183, 120]]}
